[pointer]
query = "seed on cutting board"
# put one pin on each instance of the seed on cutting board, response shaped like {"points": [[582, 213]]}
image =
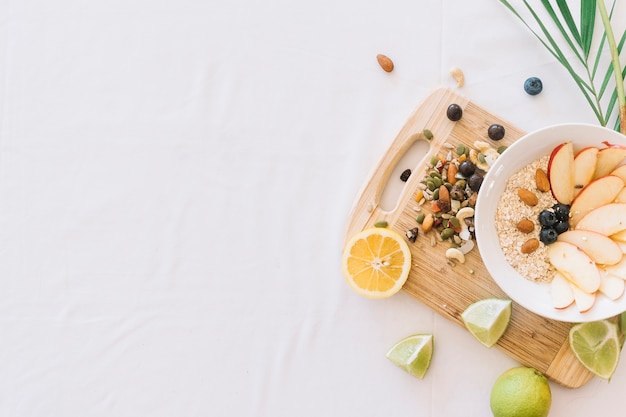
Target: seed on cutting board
{"points": [[501, 149], [434, 160], [411, 234], [420, 218], [461, 149], [428, 134], [430, 184], [444, 194], [435, 174], [455, 222], [454, 112], [405, 175], [447, 233], [495, 131], [381, 223], [451, 174], [428, 222]]}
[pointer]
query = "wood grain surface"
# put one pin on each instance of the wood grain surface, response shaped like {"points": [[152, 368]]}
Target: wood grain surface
{"points": [[450, 288]]}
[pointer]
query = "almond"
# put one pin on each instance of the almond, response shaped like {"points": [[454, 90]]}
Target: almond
{"points": [[452, 171], [530, 246], [528, 197], [541, 178], [525, 226], [427, 224], [444, 194], [385, 62]]}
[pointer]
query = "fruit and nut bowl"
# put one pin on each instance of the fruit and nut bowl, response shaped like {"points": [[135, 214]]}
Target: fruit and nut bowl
{"points": [[550, 222]]}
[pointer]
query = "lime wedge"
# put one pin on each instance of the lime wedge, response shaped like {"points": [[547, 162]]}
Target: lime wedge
{"points": [[413, 354], [596, 345], [488, 319]]}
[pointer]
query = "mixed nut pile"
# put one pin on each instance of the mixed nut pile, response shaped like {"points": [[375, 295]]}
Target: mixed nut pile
{"points": [[449, 189]]}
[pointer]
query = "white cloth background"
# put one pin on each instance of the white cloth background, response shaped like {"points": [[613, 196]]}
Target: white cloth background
{"points": [[175, 179]]}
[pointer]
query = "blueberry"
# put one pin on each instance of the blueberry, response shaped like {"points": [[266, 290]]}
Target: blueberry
{"points": [[454, 112], [475, 181], [561, 226], [533, 86], [561, 211], [467, 168], [547, 218], [495, 132], [548, 235]]}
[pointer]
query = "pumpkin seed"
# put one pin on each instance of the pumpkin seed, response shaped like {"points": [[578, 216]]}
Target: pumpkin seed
{"points": [[501, 149], [381, 223], [447, 233], [428, 134], [434, 160], [455, 222], [430, 184], [435, 174], [420, 218], [436, 194]]}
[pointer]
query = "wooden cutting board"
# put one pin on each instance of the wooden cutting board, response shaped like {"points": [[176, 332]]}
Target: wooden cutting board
{"points": [[449, 289]]}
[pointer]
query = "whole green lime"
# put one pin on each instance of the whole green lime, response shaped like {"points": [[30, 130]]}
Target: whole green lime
{"points": [[521, 392]]}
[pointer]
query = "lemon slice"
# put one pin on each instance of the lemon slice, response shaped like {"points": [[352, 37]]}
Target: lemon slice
{"points": [[413, 354], [488, 319], [596, 345], [376, 262]]}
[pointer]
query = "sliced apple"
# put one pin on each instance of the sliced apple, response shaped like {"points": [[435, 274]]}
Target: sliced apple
{"points": [[620, 171], [561, 291], [622, 246], [607, 220], [561, 172], [621, 196], [612, 286], [585, 166], [600, 248], [608, 159], [619, 236], [584, 300], [597, 193], [618, 270], [575, 265]]}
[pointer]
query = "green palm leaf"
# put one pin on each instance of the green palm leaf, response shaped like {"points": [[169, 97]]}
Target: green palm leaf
{"points": [[579, 39]]}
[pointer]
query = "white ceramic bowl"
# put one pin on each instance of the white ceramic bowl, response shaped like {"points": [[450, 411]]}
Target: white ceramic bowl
{"points": [[535, 296]]}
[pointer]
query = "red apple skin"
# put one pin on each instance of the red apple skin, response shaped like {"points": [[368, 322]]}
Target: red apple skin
{"points": [[567, 199], [554, 151], [604, 190], [612, 145], [582, 180]]}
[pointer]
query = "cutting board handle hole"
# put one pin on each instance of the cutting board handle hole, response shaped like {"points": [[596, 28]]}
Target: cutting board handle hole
{"points": [[410, 160]]}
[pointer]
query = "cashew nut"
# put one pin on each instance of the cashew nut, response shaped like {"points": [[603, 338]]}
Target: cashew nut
{"points": [[464, 213], [458, 76], [467, 246], [454, 253]]}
